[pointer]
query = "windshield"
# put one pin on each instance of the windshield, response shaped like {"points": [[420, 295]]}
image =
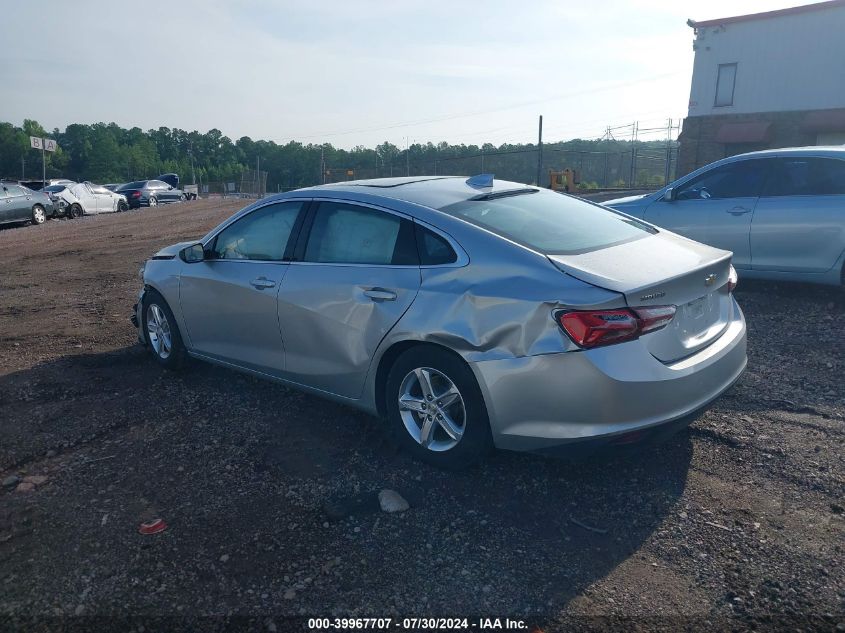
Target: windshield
{"points": [[138, 184], [550, 223]]}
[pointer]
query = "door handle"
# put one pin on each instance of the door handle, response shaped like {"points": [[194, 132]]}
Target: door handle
{"points": [[739, 210], [380, 294], [262, 282]]}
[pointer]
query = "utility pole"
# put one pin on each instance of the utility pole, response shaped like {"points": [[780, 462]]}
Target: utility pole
{"points": [[322, 166], [540, 151], [407, 157], [634, 127], [43, 165], [482, 158], [258, 176], [604, 180], [193, 172], [23, 168], [668, 152]]}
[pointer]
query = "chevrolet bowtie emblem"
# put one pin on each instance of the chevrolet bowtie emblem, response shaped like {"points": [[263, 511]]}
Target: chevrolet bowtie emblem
{"points": [[710, 279]]}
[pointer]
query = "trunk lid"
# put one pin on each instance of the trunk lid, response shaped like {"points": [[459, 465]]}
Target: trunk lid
{"points": [[664, 269]]}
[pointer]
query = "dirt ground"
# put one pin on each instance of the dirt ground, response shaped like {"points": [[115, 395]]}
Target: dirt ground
{"points": [[268, 494]]}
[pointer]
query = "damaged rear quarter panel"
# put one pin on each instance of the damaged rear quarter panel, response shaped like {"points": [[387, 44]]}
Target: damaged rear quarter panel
{"points": [[499, 305]]}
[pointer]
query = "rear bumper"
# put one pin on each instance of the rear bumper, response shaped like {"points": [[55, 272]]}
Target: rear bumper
{"points": [[543, 403]]}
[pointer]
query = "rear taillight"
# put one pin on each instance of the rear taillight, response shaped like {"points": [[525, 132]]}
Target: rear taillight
{"points": [[654, 318], [733, 279], [594, 328], [136, 194]]}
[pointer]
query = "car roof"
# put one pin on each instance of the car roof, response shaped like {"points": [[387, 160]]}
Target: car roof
{"points": [[435, 192], [837, 151]]}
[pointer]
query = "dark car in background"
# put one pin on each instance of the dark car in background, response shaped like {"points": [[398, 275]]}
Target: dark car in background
{"points": [[150, 193], [190, 191], [22, 204]]}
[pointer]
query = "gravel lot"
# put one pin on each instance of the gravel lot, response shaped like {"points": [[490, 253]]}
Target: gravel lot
{"points": [[270, 495]]}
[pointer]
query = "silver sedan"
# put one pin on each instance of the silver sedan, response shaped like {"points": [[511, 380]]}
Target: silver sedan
{"points": [[466, 313], [781, 212]]}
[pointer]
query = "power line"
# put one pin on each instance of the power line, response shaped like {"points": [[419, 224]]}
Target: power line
{"points": [[450, 117]]}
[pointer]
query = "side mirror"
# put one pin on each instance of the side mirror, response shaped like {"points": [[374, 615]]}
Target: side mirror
{"points": [[170, 188], [192, 254], [669, 195]]}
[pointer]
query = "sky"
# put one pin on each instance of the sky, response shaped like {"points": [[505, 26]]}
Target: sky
{"points": [[357, 72]]}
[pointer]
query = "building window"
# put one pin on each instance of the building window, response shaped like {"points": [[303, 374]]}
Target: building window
{"points": [[725, 84]]}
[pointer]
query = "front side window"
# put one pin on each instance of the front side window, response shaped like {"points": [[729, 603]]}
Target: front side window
{"points": [[742, 179], [15, 190], [551, 223], [350, 234], [262, 235], [725, 84], [802, 176]]}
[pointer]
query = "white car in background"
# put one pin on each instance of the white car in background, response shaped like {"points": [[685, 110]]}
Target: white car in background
{"points": [[86, 198]]}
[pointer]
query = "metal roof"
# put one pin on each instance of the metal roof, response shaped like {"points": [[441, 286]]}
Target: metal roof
{"points": [[806, 8]]}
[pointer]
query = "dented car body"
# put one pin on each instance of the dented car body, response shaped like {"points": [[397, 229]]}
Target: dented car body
{"points": [[576, 321]]}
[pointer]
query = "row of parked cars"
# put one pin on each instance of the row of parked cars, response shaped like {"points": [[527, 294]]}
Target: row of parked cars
{"points": [[61, 197]]}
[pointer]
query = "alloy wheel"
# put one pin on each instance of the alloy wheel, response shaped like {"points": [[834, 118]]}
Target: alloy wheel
{"points": [[432, 409], [39, 215], [158, 331]]}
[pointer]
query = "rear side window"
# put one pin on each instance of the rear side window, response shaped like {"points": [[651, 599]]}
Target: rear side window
{"points": [[262, 235], [345, 233], [806, 177], [742, 179], [434, 249], [550, 222]]}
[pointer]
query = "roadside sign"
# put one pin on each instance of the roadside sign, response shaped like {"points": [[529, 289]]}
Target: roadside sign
{"points": [[46, 144]]}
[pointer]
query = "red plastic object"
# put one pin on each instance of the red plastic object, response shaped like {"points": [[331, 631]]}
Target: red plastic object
{"points": [[153, 527]]}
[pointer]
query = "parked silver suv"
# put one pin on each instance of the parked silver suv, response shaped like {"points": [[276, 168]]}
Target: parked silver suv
{"points": [[781, 212]]}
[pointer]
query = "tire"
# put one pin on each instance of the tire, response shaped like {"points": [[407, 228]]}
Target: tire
{"points": [[122, 206], [184, 197], [153, 202], [39, 215], [161, 333], [74, 211], [462, 438]]}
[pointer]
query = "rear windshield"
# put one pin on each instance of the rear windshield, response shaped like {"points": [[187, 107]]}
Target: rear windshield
{"points": [[138, 184], [550, 223], [55, 188]]}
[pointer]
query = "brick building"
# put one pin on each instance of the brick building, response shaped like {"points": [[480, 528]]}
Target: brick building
{"points": [[767, 80]]}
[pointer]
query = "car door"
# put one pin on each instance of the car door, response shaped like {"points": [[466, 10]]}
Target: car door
{"points": [[19, 206], [85, 197], [166, 191], [799, 223], [228, 300], [716, 207], [356, 273], [105, 202]]}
